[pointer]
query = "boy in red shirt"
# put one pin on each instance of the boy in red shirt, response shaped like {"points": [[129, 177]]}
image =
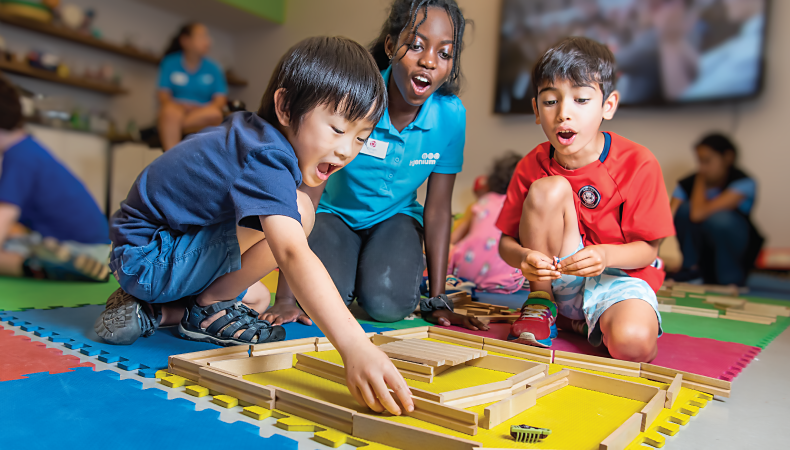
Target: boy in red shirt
{"points": [[585, 213]]}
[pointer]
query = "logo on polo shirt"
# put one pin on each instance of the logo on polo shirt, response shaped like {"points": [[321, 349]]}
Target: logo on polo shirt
{"points": [[428, 159], [589, 196]]}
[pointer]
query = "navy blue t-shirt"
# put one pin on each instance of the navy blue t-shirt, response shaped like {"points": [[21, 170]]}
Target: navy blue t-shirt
{"points": [[239, 170], [52, 201]]}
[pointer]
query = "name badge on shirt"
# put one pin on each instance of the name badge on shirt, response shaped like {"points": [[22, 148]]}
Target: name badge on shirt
{"points": [[375, 148]]}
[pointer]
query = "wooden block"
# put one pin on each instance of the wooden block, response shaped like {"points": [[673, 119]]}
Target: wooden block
{"points": [[741, 317], [663, 307], [417, 350], [612, 386], [497, 318], [427, 395], [732, 291], [322, 344], [504, 385], [452, 340], [700, 383], [256, 364], [380, 339], [413, 367], [406, 437], [502, 364], [597, 363], [543, 355], [237, 387], [677, 293], [735, 302], [666, 301], [443, 415], [406, 331], [460, 298], [412, 336], [407, 356], [551, 383], [293, 346], [623, 435], [318, 411], [692, 288], [455, 334], [319, 367], [714, 313], [652, 409], [184, 367], [764, 310], [508, 408], [530, 375], [673, 391], [416, 376]]}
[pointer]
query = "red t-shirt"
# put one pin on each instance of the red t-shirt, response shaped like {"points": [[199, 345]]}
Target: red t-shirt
{"points": [[621, 198]]}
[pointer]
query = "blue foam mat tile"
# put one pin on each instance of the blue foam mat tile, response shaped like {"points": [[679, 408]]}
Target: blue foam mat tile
{"points": [[42, 333], [91, 351], [17, 322], [76, 324], [58, 338], [74, 345], [83, 408], [130, 365], [109, 358], [28, 328], [148, 372]]}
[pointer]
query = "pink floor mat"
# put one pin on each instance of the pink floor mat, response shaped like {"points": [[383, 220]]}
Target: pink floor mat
{"points": [[708, 357]]}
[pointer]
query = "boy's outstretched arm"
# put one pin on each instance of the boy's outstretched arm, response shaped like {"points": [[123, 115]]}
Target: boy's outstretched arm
{"points": [[369, 372]]}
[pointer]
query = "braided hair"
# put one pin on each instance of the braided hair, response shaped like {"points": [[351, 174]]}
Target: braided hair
{"points": [[403, 18]]}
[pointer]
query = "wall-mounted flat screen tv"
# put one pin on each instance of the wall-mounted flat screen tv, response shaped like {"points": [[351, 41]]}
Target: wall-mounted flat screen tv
{"points": [[667, 51]]}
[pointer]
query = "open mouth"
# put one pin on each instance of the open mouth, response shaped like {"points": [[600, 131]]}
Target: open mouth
{"points": [[325, 169], [421, 84], [566, 137]]}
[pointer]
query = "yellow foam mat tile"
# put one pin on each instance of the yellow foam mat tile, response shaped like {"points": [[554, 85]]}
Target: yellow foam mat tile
{"points": [[226, 401], [197, 391], [668, 422], [293, 423], [161, 374], [327, 436], [174, 381], [257, 412]]}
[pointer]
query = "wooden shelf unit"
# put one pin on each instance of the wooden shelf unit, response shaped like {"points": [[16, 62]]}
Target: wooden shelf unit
{"points": [[92, 85], [80, 38]]}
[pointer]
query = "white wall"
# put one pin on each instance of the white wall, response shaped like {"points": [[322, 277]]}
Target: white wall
{"points": [[669, 133], [119, 21]]}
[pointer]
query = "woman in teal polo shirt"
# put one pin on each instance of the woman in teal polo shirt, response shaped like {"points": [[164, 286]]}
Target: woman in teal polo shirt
{"points": [[192, 88], [369, 228]]}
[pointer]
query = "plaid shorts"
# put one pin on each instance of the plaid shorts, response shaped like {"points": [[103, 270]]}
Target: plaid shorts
{"points": [[588, 297]]}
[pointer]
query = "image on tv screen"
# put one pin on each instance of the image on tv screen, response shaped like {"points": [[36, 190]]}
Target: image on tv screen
{"points": [[667, 51]]}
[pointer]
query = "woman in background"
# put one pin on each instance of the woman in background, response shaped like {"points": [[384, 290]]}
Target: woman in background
{"points": [[712, 209], [192, 88], [475, 255]]}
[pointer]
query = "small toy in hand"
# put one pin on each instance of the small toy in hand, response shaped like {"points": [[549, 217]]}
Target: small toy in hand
{"points": [[528, 434], [556, 262]]}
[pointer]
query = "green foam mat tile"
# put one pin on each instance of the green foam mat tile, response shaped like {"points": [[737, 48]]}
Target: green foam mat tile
{"points": [[18, 294], [746, 333], [399, 325]]}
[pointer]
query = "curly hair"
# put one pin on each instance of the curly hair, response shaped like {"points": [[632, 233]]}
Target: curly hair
{"points": [[403, 17], [502, 172]]}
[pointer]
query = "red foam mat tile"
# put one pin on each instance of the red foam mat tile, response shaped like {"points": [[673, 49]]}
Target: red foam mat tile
{"points": [[708, 357], [20, 356]]}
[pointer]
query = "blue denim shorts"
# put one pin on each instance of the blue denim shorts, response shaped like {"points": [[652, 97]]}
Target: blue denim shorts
{"points": [[174, 265], [588, 297]]}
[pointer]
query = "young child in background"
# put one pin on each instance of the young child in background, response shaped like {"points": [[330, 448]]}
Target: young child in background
{"points": [[585, 213], [68, 237], [221, 209], [712, 210], [475, 256]]}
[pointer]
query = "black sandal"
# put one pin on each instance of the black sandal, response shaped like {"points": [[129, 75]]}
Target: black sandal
{"points": [[237, 317]]}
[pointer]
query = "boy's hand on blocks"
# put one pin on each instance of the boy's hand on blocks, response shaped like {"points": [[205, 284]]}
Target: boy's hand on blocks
{"points": [[445, 318], [588, 262], [538, 267], [370, 375]]}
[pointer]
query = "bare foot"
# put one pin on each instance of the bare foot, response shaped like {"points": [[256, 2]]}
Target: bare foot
{"points": [[284, 311]]}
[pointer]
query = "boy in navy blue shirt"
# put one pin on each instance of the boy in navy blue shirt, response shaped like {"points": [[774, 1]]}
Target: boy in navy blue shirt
{"points": [[221, 209], [68, 238]]}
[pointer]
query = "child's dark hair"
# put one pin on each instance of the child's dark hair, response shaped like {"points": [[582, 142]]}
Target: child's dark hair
{"points": [[580, 60], [719, 143], [10, 107], [502, 172], [175, 43], [403, 18], [323, 70]]}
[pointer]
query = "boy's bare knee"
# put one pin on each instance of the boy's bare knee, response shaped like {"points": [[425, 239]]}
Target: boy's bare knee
{"points": [[306, 210], [548, 193], [171, 112], [631, 342]]}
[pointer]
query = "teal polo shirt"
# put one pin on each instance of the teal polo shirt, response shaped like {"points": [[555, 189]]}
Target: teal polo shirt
{"points": [[383, 179]]}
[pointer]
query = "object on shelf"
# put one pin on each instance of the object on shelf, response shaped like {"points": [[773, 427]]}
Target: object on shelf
{"points": [[27, 10], [25, 70], [528, 434], [43, 60], [71, 16]]}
